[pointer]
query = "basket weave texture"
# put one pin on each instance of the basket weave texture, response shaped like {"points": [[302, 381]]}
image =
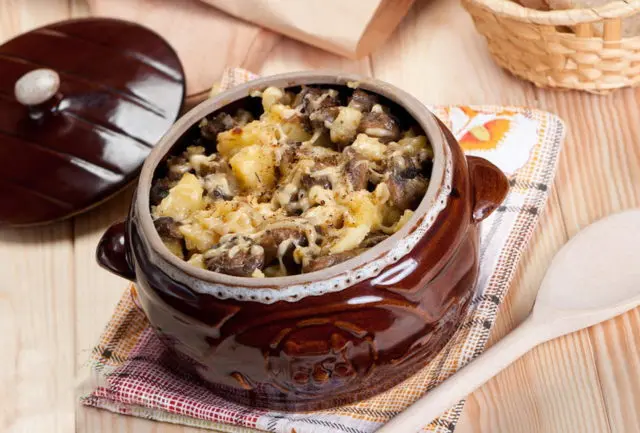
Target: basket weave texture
{"points": [[580, 49]]}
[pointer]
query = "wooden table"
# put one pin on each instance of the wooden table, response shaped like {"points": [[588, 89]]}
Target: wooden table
{"points": [[55, 300]]}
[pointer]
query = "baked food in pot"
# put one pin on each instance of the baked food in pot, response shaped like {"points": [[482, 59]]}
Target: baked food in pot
{"points": [[314, 178], [328, 337]]}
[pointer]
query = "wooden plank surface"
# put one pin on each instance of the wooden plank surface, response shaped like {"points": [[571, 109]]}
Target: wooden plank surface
{"points": [[54, 299]]}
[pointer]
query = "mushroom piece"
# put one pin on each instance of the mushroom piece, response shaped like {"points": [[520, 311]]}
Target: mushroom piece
{"points": [[222, 185], [211, 127], [167, 227], [220, 194], [331, 160], [373, 239], [272, 240], [323, 262], [314, 98], [323, 117], [357, 170], [307, 181], [362, 101], [381, 125], [169, 231], [406, 183], [159, 190], [207, 165], [178, 166], [406, 193], [238, 256]]}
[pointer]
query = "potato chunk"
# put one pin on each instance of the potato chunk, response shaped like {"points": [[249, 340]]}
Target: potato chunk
{"points": [[364, 211], [369, 147], [197, 237], [290, 121], [183, 199], [254, 167], [343, 129], [271, 95], [253, 133]]}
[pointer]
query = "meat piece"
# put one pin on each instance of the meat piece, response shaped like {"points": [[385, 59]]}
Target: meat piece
{"points": [[167, 227], [407, 166], [406, 183], [376, 175], [169, 232], [300, 96], [313, 98], [211, 127], [178, 166], [373, 239], [327, 161], [307, 181], [409, 172], [427, 167], [331, 260], [159, 190], [362, 101], [406, 193], [323, 117], [380, 125], [238, 256], [358, 173], [272, 238], [305, 123]]}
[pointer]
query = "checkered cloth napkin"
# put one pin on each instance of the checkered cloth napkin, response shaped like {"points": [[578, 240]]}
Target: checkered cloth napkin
{"points": [[131, 374]]}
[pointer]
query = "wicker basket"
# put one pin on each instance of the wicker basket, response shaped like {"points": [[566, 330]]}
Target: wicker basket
{"points": [[573, 49]]}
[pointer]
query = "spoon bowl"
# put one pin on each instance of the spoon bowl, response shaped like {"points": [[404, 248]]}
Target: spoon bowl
{"points": [[594, 277], [597, 269]]}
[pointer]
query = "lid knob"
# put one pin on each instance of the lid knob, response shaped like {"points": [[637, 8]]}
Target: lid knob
{"points": [[37, 87]]}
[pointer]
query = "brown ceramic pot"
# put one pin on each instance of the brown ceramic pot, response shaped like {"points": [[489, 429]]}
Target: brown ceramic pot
{"points": [[330, 337]]}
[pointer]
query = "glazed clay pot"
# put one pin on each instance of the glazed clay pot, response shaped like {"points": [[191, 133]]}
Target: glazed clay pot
{"points": [[331, 337]]}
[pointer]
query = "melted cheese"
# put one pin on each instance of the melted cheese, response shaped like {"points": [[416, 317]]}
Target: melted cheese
{"points": [[183, 199], [369, 147], [267, 195], [350, 238]]}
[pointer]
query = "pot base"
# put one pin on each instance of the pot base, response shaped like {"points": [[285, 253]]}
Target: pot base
{"points": [[272, 397]]}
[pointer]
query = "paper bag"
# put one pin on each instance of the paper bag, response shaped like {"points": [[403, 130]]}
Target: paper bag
{"points": [[352, 28]]}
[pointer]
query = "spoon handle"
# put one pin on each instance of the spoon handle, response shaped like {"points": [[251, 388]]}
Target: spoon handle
{"points": [[522, 339]]}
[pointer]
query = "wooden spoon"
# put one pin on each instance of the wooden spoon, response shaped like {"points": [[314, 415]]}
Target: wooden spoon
{"points": [[594, 277]]}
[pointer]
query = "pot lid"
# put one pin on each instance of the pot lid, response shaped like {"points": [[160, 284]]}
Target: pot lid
{"points": [[82, 103]]}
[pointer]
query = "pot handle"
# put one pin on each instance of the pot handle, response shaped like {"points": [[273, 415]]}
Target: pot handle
{"points": [[489, 187], [112, 252]]}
